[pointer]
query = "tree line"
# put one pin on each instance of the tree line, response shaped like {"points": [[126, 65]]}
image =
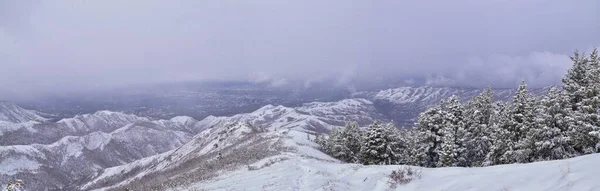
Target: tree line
{"points": [[563, 123]]}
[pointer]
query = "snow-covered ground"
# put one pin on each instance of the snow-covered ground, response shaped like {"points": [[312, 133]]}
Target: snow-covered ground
{"points": [[309, 169]]}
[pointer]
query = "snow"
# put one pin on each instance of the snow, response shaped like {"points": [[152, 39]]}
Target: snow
{"points": [[331, 108], [309, 169], [6, 126], [11, 112], [106, 112], [12, 166], [97, 140], [183, 120], [72, 123], [427, 94], [299, 173], [119, 170]]}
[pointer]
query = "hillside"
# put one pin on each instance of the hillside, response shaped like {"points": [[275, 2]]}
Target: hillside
{"points": [[301, 173], [294, 164]]}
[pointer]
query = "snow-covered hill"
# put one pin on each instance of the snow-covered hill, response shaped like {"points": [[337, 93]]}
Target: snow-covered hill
{"points": [[9, 112], [246, 138], [275, 158], [72, 151], [59, 154], [294, 172]]}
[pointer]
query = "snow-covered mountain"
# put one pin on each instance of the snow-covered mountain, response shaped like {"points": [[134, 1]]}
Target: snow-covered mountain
{"points": [[58, 154], [243, 138], [9, 112], [73, 151]]}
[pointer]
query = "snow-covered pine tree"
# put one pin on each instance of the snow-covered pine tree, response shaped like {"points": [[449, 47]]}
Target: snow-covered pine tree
{"points": [[351, 137], [428, 139], [397, 148], [582, 86], [375, 147], [448, 153], [333, 144], [576, 80], [552, 122], [478, 113], [521, 121], [406, 141], [501, 137], [452, 151], [321, 142], [594, 61]]}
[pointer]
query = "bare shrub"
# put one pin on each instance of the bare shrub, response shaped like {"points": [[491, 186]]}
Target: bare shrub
{"points": [[267, 163], [251, 168], [403, 175]]}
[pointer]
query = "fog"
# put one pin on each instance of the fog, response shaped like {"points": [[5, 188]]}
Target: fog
{"points": [[73, 45]]}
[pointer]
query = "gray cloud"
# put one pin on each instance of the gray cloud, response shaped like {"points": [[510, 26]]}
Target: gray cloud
{"points": [[65, 45]]}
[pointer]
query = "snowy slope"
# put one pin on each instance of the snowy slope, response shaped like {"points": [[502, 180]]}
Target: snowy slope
{"points": [[305, 168], [9, 112], [276, 128], [299, 173]]}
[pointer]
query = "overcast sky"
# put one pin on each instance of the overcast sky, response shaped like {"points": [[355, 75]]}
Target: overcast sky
{"points": [[65, 45]]}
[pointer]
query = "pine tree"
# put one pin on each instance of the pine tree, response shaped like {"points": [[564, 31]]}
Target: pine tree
{"points": [[375, 148], [351, 141], [405, 141], [553, 121], [428, 139], [521, 120], [321, 142], [452, 146], [394, 147], [501, 137], [478, 114], [594, 61], [448, 152], [333, 144], [576, 80], [582, 87]]}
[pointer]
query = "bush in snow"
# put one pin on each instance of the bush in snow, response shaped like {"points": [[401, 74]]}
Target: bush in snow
{"points": [[403, 175]]}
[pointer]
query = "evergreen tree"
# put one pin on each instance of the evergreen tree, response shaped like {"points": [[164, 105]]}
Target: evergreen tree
{"points": [[452, 146], [428, 140], [405, 146], [521, 120], [582, 87], [594, 61], [321, 142], [552, 120], [375, 148], [500, 136], [351, 141], [576, 80], [333, 144], [395, 147], [448, 152], [478, 114]]}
